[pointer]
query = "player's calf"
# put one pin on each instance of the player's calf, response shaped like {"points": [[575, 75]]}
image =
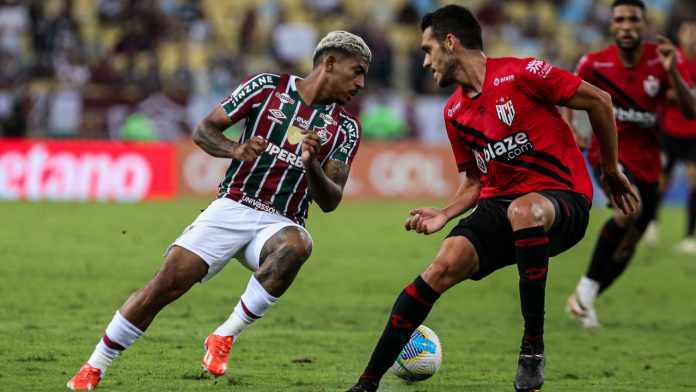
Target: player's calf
{"points": [[281, 259]]}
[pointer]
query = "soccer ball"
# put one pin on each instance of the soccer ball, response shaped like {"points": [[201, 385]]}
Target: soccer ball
{"points": [[420, 358]]}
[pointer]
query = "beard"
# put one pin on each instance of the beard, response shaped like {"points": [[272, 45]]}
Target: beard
{"points": [[447, 75], [629, 46]]}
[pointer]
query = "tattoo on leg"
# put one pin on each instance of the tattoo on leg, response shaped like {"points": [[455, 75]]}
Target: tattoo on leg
{"points": [[281, 259]]}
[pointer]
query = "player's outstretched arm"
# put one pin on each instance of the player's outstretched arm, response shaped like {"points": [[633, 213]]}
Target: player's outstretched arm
{"points": [[598, 106], [208, 136], [325, 184], [430, 220], [682, 94]]}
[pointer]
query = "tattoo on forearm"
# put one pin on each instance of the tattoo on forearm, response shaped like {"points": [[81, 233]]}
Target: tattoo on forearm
{"points": [[212, 141], [337, 172]]}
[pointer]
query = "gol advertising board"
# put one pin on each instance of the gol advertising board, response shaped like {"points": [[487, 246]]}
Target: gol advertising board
{"points": [[86, 170], [403, 170]]}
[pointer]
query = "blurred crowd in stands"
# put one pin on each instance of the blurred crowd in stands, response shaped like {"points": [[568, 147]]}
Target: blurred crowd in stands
{"points": [[150, 69]]}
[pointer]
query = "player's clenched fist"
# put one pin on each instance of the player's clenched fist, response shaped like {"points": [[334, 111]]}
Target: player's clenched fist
{"points": [[666, 51], [250, 150], [311, 144]]}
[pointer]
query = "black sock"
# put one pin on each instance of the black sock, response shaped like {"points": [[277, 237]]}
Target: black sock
{"points": [[609, 239], [410, 310], [691, 220], [532, 252]]}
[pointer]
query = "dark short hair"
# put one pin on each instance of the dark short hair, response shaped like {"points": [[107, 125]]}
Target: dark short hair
{"points": [[634, 3], [456, 20]]}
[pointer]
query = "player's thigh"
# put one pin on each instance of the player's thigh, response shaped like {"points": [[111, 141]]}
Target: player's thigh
{"points": [[571, 218], [456, 261], [180, 270], [488, 230], [277, 235], [218, 233]]}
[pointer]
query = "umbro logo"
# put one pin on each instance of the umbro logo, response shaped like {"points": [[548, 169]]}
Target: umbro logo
{"points": [[276, 116]]}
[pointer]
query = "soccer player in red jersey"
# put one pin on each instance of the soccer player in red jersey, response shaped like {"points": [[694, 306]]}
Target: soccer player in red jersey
{"points": [[297, 146], [637, 74], [679, 137], [522, 171]]}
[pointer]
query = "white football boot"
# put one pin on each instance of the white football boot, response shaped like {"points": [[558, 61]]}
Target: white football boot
{"points": [[687, 246]]}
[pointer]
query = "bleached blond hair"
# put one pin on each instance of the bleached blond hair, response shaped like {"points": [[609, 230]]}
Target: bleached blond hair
{"points": [[343, 41]]}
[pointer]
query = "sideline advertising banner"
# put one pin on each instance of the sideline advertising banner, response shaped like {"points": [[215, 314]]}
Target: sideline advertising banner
{"points": [[86, 170], [404, 170]]}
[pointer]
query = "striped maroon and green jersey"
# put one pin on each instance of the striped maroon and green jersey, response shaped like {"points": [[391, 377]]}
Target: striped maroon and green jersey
{"points": [[273, 110]]}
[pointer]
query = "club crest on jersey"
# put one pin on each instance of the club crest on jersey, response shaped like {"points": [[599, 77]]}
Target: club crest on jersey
{"points": [[327, 119], [285, 98], [651, 85], [506, 111]]}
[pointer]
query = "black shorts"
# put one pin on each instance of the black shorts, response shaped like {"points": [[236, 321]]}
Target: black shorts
{"points": [[490, 231], [649, 198], [679, 149]]}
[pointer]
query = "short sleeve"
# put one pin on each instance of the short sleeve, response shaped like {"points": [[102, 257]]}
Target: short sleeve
{"points": [[547, 82], [349, 132], [584, 69], [463, 156], [252, 91], [683, 68]]}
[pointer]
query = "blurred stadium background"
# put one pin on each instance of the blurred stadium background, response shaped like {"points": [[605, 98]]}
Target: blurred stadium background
{"points": [[123, 70], [98, 99]]}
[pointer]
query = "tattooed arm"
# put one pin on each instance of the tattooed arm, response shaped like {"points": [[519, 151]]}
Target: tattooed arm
{"points": [[326, 185], [208, 136]]}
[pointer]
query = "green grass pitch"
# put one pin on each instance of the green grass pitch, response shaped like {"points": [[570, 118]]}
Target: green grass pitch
{"points": [[65, 269]]}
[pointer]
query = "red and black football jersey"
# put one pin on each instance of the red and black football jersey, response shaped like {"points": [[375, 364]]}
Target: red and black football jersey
{"points": [[513, 133], [672, 121], [637, 93]]}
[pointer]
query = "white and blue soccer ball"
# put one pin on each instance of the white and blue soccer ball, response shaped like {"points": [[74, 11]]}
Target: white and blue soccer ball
{"points": [[420, 358]]}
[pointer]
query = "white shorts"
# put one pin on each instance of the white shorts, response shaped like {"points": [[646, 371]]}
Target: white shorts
{"points": [[227, 229]]}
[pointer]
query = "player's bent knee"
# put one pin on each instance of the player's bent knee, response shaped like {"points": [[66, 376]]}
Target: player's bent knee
{"points": [[296, 246], [525, 214]]}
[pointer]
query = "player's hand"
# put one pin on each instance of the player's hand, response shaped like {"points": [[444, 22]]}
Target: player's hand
{"points": [[622, 194], [426, 220], [250, 150], [666, 51], [311, 144]]}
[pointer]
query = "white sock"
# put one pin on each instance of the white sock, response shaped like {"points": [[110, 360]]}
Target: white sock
{"points": [[120, 334], [252, 305], [587, 290]]}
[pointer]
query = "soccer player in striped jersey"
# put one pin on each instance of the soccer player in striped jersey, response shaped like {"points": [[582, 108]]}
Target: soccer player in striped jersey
{"points": [[297, 147]]}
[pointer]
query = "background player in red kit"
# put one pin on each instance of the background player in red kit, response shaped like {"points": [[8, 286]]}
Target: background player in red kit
{"points": [[679, 138], [637, 75], [522, 170], [297, 147]]}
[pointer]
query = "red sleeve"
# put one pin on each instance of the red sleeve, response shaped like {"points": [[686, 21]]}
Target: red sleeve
{"points": [[683, 68], [462, 153], [584, 69], [546, 82]]}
